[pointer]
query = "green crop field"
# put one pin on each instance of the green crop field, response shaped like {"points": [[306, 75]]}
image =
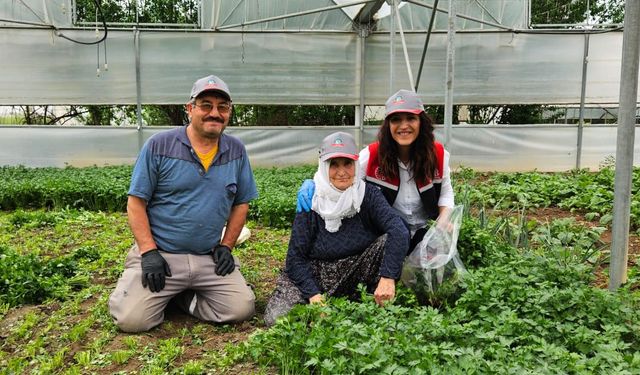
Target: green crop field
{"points": [[534, 300]]}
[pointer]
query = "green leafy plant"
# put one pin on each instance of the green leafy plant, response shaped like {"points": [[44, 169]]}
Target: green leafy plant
{"points": [[569, 242]]}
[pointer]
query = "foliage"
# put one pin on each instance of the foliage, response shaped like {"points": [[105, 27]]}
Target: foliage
{"points": [[590, 192], [512, 114], [92, 188], [43, 115], [76, 321], [575, 11], [525, 114], [476, 245], [568, 242], [277, 188], [28, 278], [527, 309], [504, 332], [156, 11], [105, 188], [522, 313], [293, 115]]}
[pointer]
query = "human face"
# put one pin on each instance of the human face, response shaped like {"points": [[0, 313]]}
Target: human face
{"points": [[342, 172], [404, 127], [209, 115]]}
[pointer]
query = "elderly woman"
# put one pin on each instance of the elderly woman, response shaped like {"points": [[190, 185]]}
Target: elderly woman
{"points": [[350, 236], [408, 165]]}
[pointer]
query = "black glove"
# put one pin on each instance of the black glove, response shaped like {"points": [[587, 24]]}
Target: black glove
{"points": [[154, 268], [223, 260]]}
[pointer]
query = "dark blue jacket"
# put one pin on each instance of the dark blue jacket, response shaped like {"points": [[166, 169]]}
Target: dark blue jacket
{"points": [[310, 240]]}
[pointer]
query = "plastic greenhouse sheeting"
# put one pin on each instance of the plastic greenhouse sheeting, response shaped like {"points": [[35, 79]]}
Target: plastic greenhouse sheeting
{"points": [[299, 68], [217, 13], [484, 148]]}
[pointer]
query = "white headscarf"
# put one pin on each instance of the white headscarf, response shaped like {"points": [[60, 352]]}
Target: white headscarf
{"points": [[333, 204]]}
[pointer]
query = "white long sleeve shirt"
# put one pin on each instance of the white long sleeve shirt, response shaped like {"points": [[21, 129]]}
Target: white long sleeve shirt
{"points": [[408, 203]]}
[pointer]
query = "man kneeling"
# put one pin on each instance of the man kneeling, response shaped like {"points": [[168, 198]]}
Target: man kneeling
{"points": [[186, 184]]}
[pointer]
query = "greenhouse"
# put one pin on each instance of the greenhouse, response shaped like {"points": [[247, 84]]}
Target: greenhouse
{"points": [[548, 279], [320, 58]]}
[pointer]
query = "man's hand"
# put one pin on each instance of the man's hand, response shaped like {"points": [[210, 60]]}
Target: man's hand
{"points": [[385, 291], [305, 196], [223, 260], [154, 269], [316, 299]]}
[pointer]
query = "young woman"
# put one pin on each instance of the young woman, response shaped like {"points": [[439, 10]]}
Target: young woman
{"points": [[407, 164], [351, 235]]}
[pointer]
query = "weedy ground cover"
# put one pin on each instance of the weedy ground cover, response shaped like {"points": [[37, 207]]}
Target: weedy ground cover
{"points": [[530, 303], [591, 193]]}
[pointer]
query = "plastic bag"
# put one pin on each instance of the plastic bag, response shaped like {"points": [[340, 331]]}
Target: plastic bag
{"points": [[434, 269]]}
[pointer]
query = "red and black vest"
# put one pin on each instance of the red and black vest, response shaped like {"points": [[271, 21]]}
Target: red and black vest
{"points": [[429, 190]]}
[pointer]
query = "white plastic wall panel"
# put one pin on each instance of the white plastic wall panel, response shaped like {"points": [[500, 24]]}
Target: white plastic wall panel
{"points": [[56, 12], [58, 146], [260, 68], [232, 12], [304, 68], [483, 148], [499, 67], [38, 68], [508, 13], [603, 70]]}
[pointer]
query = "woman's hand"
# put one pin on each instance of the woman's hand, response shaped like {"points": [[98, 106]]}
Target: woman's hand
{"points": [[316, 299], [385, 291], [444, 219]]}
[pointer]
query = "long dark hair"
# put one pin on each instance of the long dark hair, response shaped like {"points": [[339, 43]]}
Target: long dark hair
{"points": [[422, 153]]}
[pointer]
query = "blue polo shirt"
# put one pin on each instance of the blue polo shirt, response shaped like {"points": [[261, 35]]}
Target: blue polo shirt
{"points": [[186, 205]]}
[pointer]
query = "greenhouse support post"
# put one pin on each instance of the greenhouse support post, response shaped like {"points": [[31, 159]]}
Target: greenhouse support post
{"points": [[448, 98], [426, 43], [583, 89], [404, 50], [624, 145], [392, 45], [136, 44], [363, 32]]}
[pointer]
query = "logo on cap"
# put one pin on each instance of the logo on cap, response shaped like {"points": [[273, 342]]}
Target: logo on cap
{"points": [[338, 143], [398, 100]]}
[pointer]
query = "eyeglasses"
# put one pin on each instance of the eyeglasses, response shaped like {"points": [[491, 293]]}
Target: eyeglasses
{"points": [[222, 108]]}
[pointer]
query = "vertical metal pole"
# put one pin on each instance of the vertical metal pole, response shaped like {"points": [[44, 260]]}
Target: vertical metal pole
{"points": [[426, 43], [625, 143], [404, 50], [583, 89], [362, 35], [136, 44], [392, 46], [448, 99]]}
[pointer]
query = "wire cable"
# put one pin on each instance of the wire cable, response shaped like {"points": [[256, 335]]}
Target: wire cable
{"points": [[104, 25]]}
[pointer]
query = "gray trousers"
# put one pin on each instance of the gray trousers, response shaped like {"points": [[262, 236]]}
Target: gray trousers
{"points": [[336, 278], [195, 284]]}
